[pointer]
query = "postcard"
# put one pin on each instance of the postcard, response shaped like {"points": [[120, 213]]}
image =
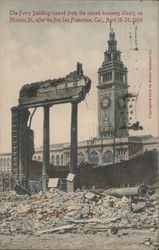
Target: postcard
{"points": [[79, 124]]}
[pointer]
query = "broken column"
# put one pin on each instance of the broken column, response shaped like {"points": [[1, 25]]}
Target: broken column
{"points": [[23, 118], [73, 153], [15, 139], [21, 148], [46, 148], [73, 167]]}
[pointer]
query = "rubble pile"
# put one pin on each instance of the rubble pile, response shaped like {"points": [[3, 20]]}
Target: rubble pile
{"points": [[80, 212]]}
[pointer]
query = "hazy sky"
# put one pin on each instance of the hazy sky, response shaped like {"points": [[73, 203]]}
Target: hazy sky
{"points": [[36, 52]]}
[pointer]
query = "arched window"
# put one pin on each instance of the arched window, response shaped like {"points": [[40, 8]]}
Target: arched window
{"points": [[53, 159], [62, 160], [39, 158], [57, 160], [67, 157], [93, 157], [108, 157], [81, 157]]}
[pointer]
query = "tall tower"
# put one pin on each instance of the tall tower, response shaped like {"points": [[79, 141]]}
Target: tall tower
{"points": [[112, 93]]}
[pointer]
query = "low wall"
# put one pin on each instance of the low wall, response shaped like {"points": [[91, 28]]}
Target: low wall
{"points": [[141, 169]]}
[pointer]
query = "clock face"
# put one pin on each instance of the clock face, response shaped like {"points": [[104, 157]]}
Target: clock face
{"points": [[105, 102]]}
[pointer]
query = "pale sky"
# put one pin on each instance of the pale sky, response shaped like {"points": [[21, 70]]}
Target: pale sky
{"points": [[36, 52]]}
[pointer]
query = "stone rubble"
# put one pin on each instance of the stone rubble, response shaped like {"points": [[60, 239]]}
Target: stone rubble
{"points": [[81, 212]]}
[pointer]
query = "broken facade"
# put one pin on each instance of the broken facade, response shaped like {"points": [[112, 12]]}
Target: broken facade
{"points": [[71, 89]]}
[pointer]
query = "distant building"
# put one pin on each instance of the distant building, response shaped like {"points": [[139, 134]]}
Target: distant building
{"points": [[5, 164]]}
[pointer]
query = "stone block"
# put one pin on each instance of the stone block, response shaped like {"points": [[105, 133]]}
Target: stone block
{"points": [[90, 196]]}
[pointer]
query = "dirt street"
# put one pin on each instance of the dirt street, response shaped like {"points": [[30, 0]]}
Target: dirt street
{"points": [[133, 241]]}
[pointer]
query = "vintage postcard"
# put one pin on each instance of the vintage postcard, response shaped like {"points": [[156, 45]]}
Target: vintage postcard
{"points": [[79, 124]]}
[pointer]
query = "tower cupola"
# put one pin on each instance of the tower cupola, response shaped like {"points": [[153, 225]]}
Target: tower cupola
{"points": [[112, 43]]}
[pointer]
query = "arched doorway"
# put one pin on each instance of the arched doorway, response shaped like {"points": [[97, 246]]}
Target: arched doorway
{"points": [[81, 157], [108, 157]]}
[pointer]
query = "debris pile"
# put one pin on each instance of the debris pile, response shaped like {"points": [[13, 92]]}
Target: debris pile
{"points": [[79, 212]]}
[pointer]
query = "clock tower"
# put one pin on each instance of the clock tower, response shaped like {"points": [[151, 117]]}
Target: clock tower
{"points": [[112, 93]]}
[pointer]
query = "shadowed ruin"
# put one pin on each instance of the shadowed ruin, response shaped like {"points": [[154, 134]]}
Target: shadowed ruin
{"points": [[70, 89]]}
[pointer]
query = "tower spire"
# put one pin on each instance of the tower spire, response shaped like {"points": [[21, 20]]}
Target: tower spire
{"points": [[110, 24], [112, 43], [111, 30]]}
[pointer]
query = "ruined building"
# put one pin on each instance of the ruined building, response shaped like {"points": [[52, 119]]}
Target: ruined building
{"points": [[70, 89]]}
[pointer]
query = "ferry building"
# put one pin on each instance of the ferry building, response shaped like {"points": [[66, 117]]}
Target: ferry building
{"points": [[113, 143]]}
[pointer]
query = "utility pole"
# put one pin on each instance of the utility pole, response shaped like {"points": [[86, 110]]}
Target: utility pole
{"points": [[114, 135]]}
